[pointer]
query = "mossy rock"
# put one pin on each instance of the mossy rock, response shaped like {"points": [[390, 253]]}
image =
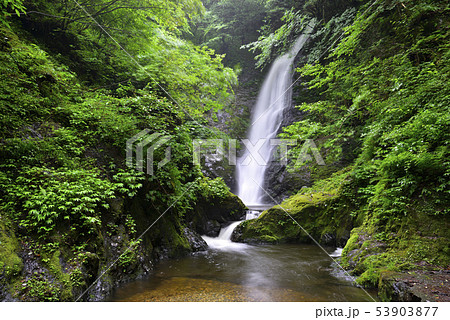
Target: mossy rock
{"points": [[414, 286], [209, 214], [415, 243], [298, 219], [11, 264]]}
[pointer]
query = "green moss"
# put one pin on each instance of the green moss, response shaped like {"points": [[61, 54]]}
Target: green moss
{"points": [[351, 244], [300, 200], [269, 239], [369, 278], [418, 241], [179, 245], [63, 278], [234, 203], [11, 264], [314, 212]]}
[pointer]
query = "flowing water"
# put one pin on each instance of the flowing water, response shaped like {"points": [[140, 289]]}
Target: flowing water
{"points": [[275, 95], [241, 272], [231, 271]]}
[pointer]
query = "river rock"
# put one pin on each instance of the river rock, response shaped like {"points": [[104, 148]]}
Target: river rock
{"points": [[415, 286], [316, 213], [211, 213], [195, 240]]}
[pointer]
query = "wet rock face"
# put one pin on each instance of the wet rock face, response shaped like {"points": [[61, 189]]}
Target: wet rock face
{"points": [[195, 240], [219, 169], [279, 182], [400, 291], [415, 286], [211, 214], [123, 266], [211, 228]]}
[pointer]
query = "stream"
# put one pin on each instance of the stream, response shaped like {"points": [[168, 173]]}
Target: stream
{"points": [[246, 273], [230, 271]]}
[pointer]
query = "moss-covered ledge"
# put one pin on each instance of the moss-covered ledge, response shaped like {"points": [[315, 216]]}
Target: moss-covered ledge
{"points": [[11, 264], [323, 215], [406, 260], [414, 286]]}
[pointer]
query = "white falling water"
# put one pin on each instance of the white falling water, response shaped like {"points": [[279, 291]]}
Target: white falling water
{"points": [[223, 241], [252, 214], [266, 118], [336, 253], [274, 96]]}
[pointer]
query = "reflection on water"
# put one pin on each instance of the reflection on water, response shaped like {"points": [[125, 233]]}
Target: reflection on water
{"points": [[246, 273]]}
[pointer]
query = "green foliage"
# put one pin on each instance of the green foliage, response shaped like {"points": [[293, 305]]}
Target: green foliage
{"points": [[129, 258], [326, 10], [214, 188], [128, 182], [275, 43], [332, 16], [113, 15], [37, 288], [76, 277], [327, 34], [148, 33], [42, 197], [227, 25], [193, 76], [12, 5], [391, 104], [31, 83]]}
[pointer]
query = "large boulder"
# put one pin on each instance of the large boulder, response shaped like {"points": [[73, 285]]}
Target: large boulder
{"points": [[212, 213], [315, 213]]}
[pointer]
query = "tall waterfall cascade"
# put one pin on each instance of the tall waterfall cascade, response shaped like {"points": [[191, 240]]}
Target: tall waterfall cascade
{"points": [[274, 97]]}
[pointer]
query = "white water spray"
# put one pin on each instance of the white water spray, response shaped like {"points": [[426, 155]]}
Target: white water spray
{"points": [[275, 95], [223, 240]]}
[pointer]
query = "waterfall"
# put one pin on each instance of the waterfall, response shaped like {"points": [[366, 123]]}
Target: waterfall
{"points": [[223, 241], [275, 95]]}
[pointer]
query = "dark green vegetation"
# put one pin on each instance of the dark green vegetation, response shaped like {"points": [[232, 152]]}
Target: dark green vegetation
{"points": [[377, 105], [69, 100], [374, 94]]}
